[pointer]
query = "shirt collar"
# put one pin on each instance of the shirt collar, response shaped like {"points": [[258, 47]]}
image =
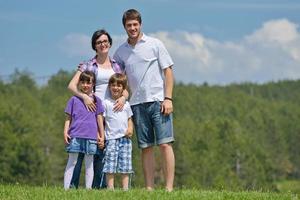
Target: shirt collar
{"points": [[94, 61], [143, 39]]}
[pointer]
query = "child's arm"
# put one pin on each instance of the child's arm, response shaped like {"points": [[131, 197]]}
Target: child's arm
{"points": [[129, 131], [100, 137], [66, 129]]}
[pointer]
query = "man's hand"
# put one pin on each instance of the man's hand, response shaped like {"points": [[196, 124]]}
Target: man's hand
{"points": [[167, 107], [120, 102]]}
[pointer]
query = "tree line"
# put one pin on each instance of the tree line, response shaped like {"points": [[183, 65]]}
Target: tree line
{"points": [[239, 136]]}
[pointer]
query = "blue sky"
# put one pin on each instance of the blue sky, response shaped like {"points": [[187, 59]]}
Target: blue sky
{"points": [[214, 41]]}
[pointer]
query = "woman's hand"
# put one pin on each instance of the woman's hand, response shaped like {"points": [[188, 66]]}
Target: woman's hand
{"points": [[120, 102], [89, 103]]}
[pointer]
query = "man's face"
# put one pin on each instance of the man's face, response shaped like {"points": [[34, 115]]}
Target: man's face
{"points": [[133, 29]]}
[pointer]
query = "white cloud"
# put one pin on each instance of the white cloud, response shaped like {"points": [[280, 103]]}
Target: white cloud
{"points": [[268, 54], [76, 44], [279, 31]]}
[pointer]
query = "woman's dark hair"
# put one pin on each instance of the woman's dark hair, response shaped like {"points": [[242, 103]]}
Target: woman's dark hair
{"points": [[97, 34], [131, 14]]}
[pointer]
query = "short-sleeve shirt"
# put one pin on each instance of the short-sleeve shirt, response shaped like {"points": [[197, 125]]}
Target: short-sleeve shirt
{"points": [[144, 64], [83, 122], [116, 123], [102, 75]]}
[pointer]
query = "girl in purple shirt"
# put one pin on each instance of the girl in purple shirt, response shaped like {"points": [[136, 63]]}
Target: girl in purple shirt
{"points": [[83, 130]]}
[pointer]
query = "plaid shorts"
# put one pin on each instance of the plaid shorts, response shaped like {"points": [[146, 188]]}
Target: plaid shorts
{"points": [[118, 158]]}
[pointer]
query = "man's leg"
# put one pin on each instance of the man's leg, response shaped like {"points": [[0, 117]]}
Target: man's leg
{"points": [[168, 162], [77, 170], [148, 167]]}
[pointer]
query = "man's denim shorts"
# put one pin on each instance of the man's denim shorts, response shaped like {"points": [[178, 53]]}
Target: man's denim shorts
{"points": [[82, 145], [151, 126]]}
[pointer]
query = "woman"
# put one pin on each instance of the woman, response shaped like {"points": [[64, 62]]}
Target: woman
{"points": [[103, 66]]}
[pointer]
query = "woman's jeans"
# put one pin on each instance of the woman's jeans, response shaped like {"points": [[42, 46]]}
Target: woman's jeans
{"points": [[99, 180]]}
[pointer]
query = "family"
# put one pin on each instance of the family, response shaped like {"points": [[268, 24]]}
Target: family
{"points": [[113, 95]]}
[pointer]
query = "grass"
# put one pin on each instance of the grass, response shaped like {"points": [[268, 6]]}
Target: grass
{"points": [[289, 186], [20, 192]]}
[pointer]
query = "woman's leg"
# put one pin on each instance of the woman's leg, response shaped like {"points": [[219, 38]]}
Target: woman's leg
{"points": [[70, 169], [99, 177]]}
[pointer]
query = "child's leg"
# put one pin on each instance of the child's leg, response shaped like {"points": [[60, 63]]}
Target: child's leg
{"points": [[89, 171], [110, 181], [70, 169], [125, 181], [77, 170]]}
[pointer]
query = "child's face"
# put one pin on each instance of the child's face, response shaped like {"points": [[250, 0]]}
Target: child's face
{"points": [[86, 86], [116, 90]]}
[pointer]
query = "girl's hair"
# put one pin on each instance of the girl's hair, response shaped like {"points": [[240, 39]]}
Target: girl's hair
{"points": [[97, 34], [119, 79], [88, 76], [131, 14]]}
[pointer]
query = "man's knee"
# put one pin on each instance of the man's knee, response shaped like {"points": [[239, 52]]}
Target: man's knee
{"points": [[166, 146]]}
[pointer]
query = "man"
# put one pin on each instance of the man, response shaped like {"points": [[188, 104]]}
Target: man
{"points": [[148, 66]]}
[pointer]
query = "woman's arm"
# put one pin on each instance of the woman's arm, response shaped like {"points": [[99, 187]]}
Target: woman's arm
{"points": [[90, 105]]}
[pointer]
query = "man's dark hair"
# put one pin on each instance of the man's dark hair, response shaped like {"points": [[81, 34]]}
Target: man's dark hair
{"points": [[131, 14]]}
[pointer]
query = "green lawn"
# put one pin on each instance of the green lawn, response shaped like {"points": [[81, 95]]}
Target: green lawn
{"points": [[16, 192]]}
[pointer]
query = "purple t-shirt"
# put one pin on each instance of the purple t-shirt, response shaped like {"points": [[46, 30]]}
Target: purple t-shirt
{"points": [[83, 122]]}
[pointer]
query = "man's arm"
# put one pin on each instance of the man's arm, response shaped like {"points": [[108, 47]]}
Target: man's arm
{"points": [[167, 105]]}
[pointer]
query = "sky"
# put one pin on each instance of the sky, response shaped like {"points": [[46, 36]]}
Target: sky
{"points": [[212, 41]]}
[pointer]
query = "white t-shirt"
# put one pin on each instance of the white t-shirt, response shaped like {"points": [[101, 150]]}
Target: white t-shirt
{"points": [[144, 64], [116, 123], [102, 78]]}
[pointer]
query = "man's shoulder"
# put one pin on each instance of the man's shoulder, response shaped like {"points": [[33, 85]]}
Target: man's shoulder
{"points": [[122, 46], [148, 38]]}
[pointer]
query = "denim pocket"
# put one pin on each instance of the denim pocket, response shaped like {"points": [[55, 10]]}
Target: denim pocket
{"points": [[91, 147]]}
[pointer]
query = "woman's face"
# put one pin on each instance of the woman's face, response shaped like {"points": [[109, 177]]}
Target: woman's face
{"points": [[102, 44]]}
